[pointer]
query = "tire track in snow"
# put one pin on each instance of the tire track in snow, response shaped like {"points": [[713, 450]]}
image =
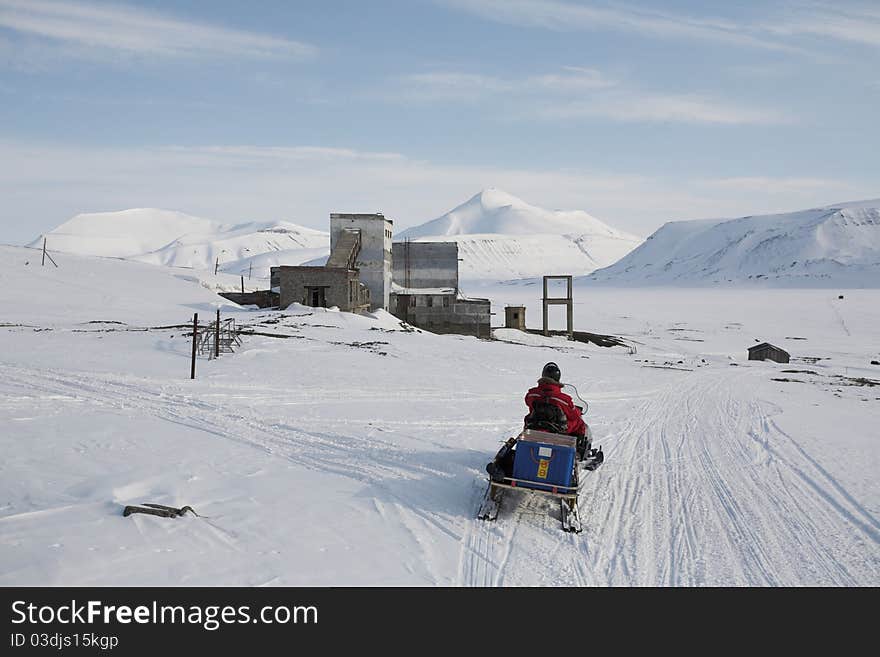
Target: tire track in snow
{"points": [[378, 463], [344, 455], [692, 503], [699, 487]]}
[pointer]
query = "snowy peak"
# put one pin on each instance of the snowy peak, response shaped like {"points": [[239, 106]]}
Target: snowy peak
{"points": [[494, 211], [834, 244], [501, 237]]}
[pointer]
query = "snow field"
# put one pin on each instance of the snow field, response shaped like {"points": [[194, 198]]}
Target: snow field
{"points": [[352, 451]]}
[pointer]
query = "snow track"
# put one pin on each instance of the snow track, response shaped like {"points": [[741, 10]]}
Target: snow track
{"points": [[701, 484], [700, 487], [365, 460]]}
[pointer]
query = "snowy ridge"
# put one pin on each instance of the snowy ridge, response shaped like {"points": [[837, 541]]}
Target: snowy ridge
{"points": [[237, 247], [175, 239], [501, 236], [833, 245]]}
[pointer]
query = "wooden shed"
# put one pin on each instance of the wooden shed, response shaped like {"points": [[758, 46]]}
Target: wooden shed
{"points": [[515, 317], [767, 351]]}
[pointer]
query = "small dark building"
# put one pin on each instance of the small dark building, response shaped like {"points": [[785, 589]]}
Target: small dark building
{"points": [[515, 317], [767, 351]]}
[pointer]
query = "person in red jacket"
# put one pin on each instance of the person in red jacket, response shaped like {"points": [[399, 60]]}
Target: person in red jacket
{"points": [[551, 410]]}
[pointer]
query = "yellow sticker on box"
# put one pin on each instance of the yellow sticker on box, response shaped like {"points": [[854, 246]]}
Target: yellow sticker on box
{"points": [[543, 466]]}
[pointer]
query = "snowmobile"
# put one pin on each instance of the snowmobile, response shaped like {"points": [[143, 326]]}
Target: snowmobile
{"points": [[548, 464]]}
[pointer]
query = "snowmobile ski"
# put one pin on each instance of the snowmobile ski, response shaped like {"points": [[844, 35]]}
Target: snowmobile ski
{"points": [[491, 503], [571, 519]]}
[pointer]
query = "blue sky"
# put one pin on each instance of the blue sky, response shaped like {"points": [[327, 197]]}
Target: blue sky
{"points": [[638, 112]]}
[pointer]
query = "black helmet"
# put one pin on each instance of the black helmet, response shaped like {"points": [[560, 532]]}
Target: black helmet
{"points": [[551, 371]]}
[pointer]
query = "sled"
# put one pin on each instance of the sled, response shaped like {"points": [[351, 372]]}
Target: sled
{"points": [[563, 484]]}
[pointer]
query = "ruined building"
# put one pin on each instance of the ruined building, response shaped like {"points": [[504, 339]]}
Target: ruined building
{"points": [[415, 281], [426, 293], [357, 275]]}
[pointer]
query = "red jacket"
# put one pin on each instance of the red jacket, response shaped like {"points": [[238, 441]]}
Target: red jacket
{"points": [[550, 388]]}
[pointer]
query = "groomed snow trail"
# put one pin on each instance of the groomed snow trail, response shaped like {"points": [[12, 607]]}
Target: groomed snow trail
{"points": [[700, 487]]}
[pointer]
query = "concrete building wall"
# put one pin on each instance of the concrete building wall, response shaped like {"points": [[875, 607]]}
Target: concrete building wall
{"points": [[444, 313], [339, 287], [425, 264], [260, 298], [374, 260]]}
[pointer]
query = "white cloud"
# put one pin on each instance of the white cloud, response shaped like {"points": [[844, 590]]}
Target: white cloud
{"points": [[567, 16], [44, 185], [853, 23], [461, 86], [772, 185], [663, 108], [576, 93], [775, 29], [137, 31]]}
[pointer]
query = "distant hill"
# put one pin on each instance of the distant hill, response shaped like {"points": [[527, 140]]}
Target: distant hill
{"points": [[175, 239], [501, 236], [833, 245]]}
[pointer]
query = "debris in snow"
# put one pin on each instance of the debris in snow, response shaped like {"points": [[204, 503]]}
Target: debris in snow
{"points": [[158, 510]]}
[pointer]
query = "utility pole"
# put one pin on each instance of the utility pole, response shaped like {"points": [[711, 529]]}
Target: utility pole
{"points": [[216, 264], [217, 336], [192, 372], [242, 284], [250, 269], [46, 255]]}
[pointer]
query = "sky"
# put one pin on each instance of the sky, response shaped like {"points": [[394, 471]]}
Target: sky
{"points": [[637, 112]]}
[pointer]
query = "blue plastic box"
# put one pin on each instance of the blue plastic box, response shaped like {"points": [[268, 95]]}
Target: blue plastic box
{"points": [[544, 460]]}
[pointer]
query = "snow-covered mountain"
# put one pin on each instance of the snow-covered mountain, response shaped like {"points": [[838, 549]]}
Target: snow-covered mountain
{"points": [[501, 236], [833, 245], [164, 237], [242, 242]]}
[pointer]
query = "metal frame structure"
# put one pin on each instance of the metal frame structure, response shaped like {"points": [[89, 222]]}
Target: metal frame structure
{"points": [[560, 301]]}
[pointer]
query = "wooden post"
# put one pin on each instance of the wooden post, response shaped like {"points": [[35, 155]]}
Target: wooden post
{"points": [[567, 300], [242, 284], [216, 264], [44, 252], [546, 331], [569, 309], [217, 336], [192, 372]]}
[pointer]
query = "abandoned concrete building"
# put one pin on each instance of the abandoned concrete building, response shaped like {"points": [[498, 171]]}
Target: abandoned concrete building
{"points": [[425, 291], [357, 275], [415, 281], [322, 287], [373, 257]]}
